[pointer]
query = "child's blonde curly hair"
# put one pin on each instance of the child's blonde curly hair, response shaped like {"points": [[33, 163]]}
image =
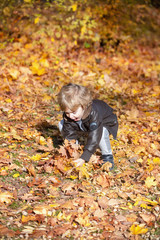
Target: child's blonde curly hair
{"points": [[72, 96]]}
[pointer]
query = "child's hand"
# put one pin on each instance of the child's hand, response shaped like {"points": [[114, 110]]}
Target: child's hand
{"points": [[79, 162]]}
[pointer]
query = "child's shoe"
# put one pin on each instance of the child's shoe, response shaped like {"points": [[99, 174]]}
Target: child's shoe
{"points": [[108, 158]]}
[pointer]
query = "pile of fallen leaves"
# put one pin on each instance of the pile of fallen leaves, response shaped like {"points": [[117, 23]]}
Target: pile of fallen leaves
{"points": [[43, 195]]}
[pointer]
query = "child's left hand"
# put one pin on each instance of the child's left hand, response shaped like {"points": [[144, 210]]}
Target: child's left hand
{"points": [[79, 162]]}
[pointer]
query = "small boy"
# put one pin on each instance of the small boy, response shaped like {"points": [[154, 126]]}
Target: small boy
{"points": [[82, 113]]}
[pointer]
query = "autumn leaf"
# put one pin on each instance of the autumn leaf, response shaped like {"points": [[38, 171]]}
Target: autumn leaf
{"points": [[6, 197], [38, 156], [99, 213], [150, 181], [74, 7], [156, 160], [138, 229], [26, 219], [42, 140], [16, 175], [55, 180], [83, 219], [106, 166], [31, 170], [36, 68], [103, 181], [41, 209], [42, 193], [6, 232], [83, 172], [14, 73], [36, 20], [103, 202], [148, 218]]}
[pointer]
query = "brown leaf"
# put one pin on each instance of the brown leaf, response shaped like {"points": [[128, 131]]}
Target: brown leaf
{"points": [[68, 186], [4, 231], [41, 209], [48, 168], [52, 221], [103, 202], [131, 218], [60, 166], [62, 229], [103, 181], [68, 205], [55, 180], [113, 202], [106, 166], [99, 213], [109, 227], [148, 218], [122, 195], [38, 233], [31, 170]]}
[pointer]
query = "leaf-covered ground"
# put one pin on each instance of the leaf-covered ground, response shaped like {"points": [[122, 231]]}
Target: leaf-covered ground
{"points": [[42, 195]]}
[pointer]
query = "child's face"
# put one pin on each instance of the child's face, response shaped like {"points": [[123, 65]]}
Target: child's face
{"points": [[76, 115]]}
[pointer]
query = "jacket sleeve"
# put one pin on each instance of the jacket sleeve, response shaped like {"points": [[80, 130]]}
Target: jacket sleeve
{"points": [[94, 136], [69, 130]]}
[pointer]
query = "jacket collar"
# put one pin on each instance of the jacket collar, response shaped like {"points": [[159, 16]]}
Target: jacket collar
{"points": [[87, 111]]}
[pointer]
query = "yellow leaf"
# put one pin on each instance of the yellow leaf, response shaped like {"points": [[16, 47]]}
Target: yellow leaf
{"points": [[28, 1], [37, 69], [46, 98], [28, 218], [144, 205], [74, 7], [16, 175], [44, 62], [72, 177], [6, 11], [101, 81], [138, 229], [5, 197], [14, 73], [83, 172], [36, 157], [8, 100], [83, 220], [42, 140], [36, 20], [154, 203], [150, 181], [156, 160]]}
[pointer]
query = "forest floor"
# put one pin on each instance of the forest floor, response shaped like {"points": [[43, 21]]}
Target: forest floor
{"points": [[42, 195]]}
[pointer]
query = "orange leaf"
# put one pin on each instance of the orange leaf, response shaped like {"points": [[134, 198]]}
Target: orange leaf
{"points": [[28, 218], [148, 218], [103, 202], [4, 231], [103, 181], [99, 213], [31, 170]]}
